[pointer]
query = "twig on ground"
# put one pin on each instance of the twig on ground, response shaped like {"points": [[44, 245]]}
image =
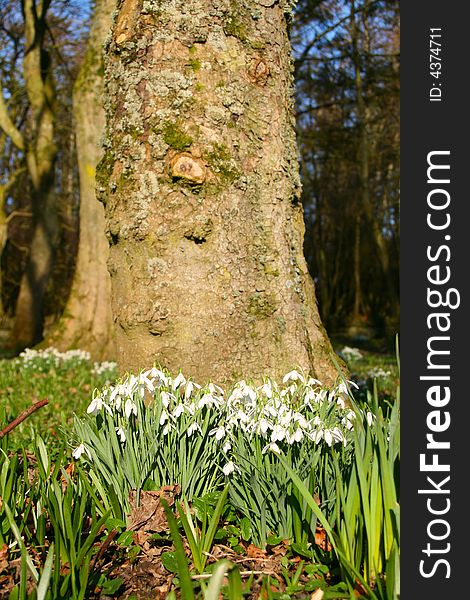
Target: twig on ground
{"points": [[24, 415]]}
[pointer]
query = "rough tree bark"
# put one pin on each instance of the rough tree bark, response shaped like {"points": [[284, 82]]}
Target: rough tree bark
{"points": [[201, 186], [87, 321]]}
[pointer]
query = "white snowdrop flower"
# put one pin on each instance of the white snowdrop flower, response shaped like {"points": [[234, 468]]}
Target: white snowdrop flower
{"points": [[370, 418], [121, 434], [188, 390], [290, 390], [80, 450], [191, 408], [250, 393], [129, 408], [96, 405], [353, 384], [263, 426], [267, 389], [179, 410], [312, 381], [316, 421], [293, 376], [180, 380], [158, 376], [146, 382], [328, 437], [312, 395], [273, 447], [301, 420], [213, 388], [206, 400], [226, 447], [228, 468], [337, 435], [297, 436], [166, 397], [347, 423], [286, 418], [192, 428], [219, 433], [340, 402], [163, 417], [316, 436], [278, 433], [167, 428]]}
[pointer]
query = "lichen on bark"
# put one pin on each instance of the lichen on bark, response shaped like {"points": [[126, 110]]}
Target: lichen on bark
{"points": [[201, 187]]}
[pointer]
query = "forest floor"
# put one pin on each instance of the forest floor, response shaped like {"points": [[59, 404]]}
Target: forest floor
{"points": [[138, 565]]}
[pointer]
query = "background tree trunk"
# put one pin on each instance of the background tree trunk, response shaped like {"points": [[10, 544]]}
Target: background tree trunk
{"points": [[87, 321], [41, 152], [201, 186]]}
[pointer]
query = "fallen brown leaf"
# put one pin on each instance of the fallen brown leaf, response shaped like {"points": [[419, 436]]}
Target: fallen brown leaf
{"points": [[148, 514], [322, 540]]}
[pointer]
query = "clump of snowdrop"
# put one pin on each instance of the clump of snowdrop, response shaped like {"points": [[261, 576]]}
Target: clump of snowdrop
{"points": [[350, 354], [379, 373], [107, 368], [47, 359], [153, 427]]}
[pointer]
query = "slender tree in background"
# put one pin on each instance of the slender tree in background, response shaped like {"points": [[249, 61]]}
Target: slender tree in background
{"points": [[40, 44], [40, 151], [202, 193], [87, 321], [347, 71]]}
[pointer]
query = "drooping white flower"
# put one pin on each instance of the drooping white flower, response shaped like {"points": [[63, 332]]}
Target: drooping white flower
{"points": [[228, 468], [297, 436], [278, 433], [311, 381], [337, 435], [267, 389], [130, 408], [207, 400], [301, 420], [370, 418], [273, 447], [328, 437], [96, 405], [226, 447], [316, 436], [293, 376], [188, 390], [81, 450], [213, 388], [179, 380], [192, 428], [121, 434], [166, 397], [179, 410], [219, 433], [263, 426], [158, 377], [163, 417]]}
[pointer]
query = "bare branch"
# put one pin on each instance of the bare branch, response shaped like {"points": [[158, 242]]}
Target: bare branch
{"points": [[7, 124]]}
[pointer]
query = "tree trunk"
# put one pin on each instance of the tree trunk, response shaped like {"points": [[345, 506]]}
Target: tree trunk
{"points": [[201, 186], [87, 321], [40, 153]]}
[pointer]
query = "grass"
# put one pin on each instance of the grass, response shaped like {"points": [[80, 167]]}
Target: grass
{"points": [[65, 534]]}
